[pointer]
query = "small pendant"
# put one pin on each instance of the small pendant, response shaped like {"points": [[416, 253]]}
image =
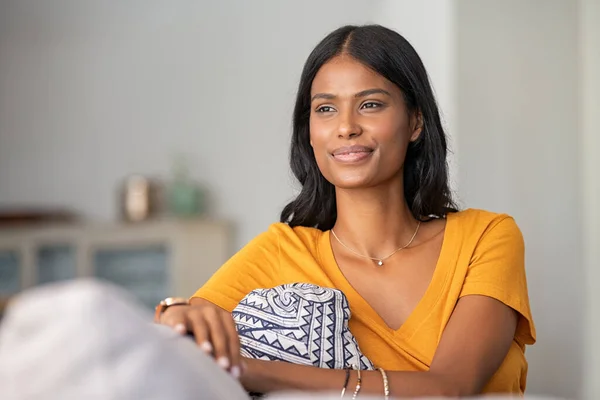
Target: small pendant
{"points": [[380, 263]]}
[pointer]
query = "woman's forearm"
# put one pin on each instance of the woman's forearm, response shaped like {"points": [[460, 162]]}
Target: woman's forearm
{"points": [[270, 376]]}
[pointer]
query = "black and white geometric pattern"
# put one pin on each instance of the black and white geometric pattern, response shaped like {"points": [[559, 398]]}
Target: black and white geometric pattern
{"points": [[299, 323]]}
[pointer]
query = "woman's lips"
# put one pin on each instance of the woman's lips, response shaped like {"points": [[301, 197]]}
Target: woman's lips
{"points": [[352, 154]]}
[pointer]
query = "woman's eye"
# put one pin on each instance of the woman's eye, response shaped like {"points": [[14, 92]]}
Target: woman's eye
{"points": [[371, 104], [325, 109]]}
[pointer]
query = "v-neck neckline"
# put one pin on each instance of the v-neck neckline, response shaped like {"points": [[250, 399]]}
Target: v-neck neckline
{"points": [[430, 298]]}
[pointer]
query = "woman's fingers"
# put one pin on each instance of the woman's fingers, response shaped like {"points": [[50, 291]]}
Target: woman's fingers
{"points": [[218, 337], [233, 344], [199, 326], [214, 332], [176, 318]]}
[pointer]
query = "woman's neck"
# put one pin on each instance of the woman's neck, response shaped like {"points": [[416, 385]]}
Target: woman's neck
{"points": [[374, 221]]}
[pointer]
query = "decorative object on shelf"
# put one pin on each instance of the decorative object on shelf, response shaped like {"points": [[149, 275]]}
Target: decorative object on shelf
{"points": [[140, 199], [185, 197]]}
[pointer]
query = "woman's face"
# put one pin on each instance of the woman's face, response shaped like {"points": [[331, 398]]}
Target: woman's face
{"points": [[359, 125]]}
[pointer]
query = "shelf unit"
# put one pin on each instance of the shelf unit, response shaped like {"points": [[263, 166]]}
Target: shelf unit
{"points": [[152, 259]]}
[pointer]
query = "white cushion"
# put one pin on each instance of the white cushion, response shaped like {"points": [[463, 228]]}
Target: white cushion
{"points": [[91, 340]]}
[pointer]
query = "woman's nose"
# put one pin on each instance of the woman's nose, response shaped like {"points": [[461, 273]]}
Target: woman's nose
{"points": [[348, 127]]}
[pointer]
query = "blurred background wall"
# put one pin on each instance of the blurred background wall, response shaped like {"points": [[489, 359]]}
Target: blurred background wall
{"points": [[91, 91], [589, 85], [518, 128], [95, 90]]}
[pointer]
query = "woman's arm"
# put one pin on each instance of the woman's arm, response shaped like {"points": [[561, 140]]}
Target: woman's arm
{"points": [[473, 345]]}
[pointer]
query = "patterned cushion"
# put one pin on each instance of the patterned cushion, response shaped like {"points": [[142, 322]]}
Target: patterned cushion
{"points": [[299, 323]]}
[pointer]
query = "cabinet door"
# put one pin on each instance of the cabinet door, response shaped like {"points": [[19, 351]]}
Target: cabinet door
{"points": [[55, 263], [10, 276], [142, 271], [10, 272]]}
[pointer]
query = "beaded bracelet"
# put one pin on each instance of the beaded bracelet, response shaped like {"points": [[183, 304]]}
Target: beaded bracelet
{"points": [[358, 382], [386, 385], [346, 382]]}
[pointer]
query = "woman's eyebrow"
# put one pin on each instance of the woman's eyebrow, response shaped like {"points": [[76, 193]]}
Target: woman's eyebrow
{"points": [[363, 93]]}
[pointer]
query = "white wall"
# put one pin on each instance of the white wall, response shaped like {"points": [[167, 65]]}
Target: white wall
{"points": [[92, 91], [589, 14], [519, 123], [429, 27]]}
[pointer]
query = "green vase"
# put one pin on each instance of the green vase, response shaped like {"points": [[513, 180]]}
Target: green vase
{"points": [[185, 196], [185, 199]]}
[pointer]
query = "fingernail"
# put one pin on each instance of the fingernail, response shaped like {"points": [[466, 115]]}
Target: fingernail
{"points": [[236, 372], [180, 328], [223, 362], [207, 347]]}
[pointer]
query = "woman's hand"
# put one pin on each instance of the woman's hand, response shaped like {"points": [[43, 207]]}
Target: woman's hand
{"points": [[213, 330]]}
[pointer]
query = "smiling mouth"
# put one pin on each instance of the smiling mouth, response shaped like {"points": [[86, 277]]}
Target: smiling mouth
{"points": [[352, 156]]}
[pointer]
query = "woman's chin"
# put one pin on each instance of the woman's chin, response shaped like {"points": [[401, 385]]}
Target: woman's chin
{"points": [[366, 181], [354, 183]]}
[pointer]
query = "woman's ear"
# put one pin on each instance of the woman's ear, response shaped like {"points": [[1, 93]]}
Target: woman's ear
{"points": [[417, 125]]}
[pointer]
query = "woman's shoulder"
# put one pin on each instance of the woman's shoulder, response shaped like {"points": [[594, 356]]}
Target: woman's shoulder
{"points": [[476, 216], [287, 236], [284, 229], [475, 223]]}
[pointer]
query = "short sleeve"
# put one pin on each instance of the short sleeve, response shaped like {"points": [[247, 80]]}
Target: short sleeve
{"points": [[497, 270], [254, 266]]}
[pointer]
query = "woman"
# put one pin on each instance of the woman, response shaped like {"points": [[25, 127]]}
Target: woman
{"points": [[438, 297]]}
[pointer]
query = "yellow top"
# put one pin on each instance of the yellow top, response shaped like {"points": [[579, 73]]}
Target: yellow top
{"points": [[482, 253]]}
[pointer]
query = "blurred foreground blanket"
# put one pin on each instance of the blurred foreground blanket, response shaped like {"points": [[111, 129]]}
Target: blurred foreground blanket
{"points": [[91, 340]]}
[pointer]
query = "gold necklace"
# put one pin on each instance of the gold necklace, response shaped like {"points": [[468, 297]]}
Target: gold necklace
{"points": [[379, 260]]}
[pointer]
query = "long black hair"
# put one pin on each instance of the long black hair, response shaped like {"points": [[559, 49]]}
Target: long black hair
{"points": [[389, 54]]}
